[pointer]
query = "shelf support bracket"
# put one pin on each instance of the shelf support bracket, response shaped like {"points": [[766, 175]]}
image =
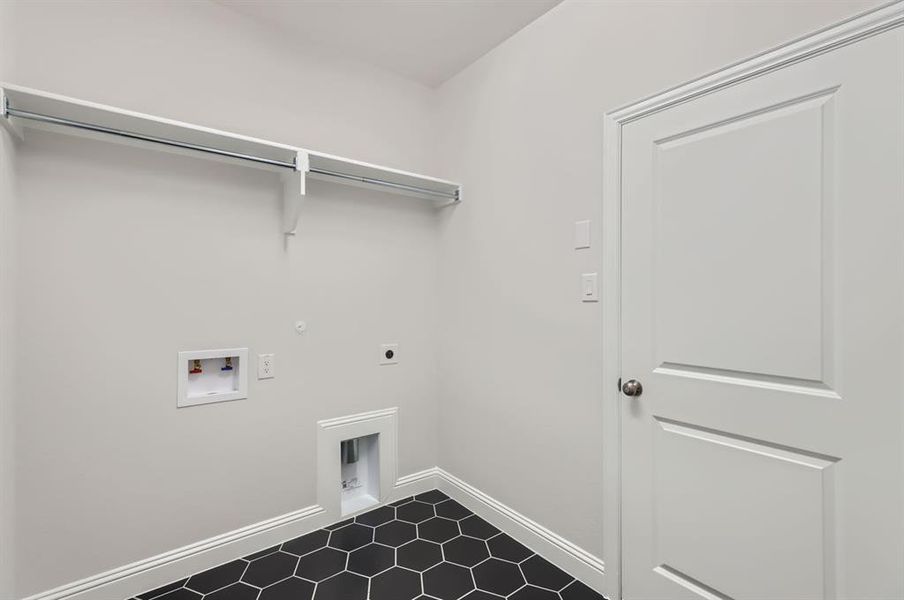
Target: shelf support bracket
{"points": [[293, 192], [6, 120]]}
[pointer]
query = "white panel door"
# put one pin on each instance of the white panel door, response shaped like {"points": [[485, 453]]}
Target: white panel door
{"points": [[763, 313]]}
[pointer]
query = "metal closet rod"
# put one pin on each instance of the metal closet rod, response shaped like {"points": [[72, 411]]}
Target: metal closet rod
{"points": [[33, 116]]}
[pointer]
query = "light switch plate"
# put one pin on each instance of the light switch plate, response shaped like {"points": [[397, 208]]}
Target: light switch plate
{"points": [[581, 234], [590, 289], [389, 354], [266, 366]]}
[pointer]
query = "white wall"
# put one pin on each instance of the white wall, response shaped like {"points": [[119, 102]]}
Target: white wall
{"points": [[127, 255], [7, 360], [7, 337], [520, 411], [122, 256]]}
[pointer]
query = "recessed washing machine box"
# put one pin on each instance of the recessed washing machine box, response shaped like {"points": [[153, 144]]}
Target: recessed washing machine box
{"points": [[207, 376], [360, 473]]}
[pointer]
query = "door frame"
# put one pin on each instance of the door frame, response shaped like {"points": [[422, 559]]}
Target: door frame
{"points": [[846, 32]]}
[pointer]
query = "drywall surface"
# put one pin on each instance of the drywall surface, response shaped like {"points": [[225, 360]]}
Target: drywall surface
{"points": [[520, 412], [7, 361], [7, 331], [128, 255]]}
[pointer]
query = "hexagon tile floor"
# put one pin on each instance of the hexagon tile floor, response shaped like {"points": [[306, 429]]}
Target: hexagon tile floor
{"points": [[424, 547]]}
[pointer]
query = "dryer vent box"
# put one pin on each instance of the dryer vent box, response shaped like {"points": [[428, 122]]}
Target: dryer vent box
{"points": [[360, 473]]}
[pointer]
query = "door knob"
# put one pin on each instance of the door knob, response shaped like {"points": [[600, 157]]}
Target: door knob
{"points": [[632, 387]]}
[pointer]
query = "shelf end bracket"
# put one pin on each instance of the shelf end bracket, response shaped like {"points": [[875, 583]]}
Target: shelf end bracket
{"points": [[293, 192], [6, 120]]}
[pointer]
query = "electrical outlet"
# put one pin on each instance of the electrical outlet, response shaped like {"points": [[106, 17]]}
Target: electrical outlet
{"points": [[389, 354], [266, 367]]}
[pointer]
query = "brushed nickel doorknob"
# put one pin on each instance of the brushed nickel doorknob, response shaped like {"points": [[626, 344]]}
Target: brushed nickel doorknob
{"points": [[632, 387]]}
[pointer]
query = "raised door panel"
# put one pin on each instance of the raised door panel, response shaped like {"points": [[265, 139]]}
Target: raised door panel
{"points": [[739, 218], [741, 518]]}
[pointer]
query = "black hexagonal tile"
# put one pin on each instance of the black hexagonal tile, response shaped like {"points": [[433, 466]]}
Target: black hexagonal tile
{"points": [[321, 564], [261, 553], [432, 497], [498, 576], [419, 555], [371, 559], [447, 581], [395, 533], [292, 588], [503, 546], [307, 543], [376, 517], [217, 577], [180, 594], [530, 592], [351, 537], [270, 569], [539, 571], [465, 551], [344, 586], [452, 510], [395, 584], [579, 591], [474, 526], [162, 590], [438, 530], [339, 524], [426, 547], [414, 512], [481, 595], [236, 591]]}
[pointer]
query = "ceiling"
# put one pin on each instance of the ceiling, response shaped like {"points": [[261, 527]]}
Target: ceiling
{"points": [[428, 41]]}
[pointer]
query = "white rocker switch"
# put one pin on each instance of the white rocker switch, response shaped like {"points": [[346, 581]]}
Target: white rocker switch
{"points": [[590, 289]]}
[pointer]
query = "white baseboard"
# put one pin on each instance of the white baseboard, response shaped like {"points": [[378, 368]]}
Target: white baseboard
{"points": [[570, 558], [135, 578], [416, 483], [150, 573]]}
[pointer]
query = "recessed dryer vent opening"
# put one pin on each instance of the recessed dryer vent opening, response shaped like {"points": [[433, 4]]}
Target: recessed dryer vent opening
{"points": [[360, 473], [357, 461]]}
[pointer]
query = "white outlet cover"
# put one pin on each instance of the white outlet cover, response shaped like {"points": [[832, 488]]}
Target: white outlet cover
{"points": [[392, 350], [266, 366]]}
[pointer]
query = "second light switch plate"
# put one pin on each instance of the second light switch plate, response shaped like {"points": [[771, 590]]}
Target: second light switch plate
{"points": [[590, 289]]}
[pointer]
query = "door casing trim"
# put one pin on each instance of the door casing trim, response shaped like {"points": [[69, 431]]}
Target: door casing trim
{"points": [[865, 25]]}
